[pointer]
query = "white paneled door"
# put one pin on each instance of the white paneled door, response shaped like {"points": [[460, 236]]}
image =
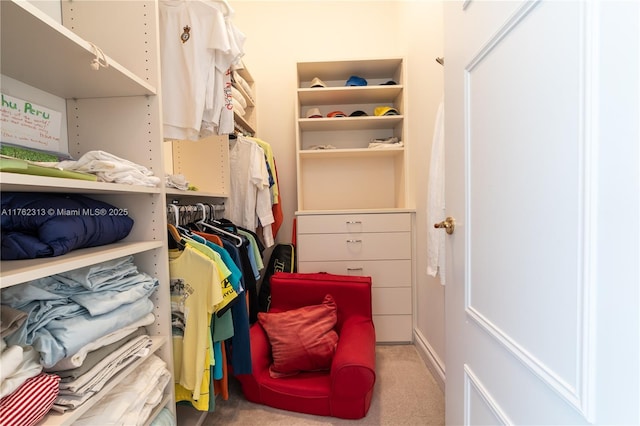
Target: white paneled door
{"points": [[541, 101]]}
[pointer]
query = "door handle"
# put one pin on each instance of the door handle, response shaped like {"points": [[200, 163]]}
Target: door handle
{"points": [[449, 224]]}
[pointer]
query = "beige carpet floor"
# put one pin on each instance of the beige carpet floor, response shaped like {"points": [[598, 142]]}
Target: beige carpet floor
{"points": [[405, 394]]}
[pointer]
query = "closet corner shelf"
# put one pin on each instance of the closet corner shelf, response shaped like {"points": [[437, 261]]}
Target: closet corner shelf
{"points": [[348, 95], [349, 123], [19, 271], [347, 153], [33, 183], [244, 123], [58, 61], [57, 419]]}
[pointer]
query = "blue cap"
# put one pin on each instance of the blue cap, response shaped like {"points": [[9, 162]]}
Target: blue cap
{"points": [[354, 80]]}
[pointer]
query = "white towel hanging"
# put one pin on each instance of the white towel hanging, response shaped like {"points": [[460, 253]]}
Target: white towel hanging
{"points": [[436, 201]]}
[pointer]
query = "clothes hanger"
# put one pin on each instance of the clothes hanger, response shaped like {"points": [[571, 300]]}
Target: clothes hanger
{"points": [[205, 217], [175, 237], [176, 214], [205, 213], [228, 12], [238, 239], [227, 224], [226, 4], [185, 232], [173, 229], [203, 223], [178, 232]]}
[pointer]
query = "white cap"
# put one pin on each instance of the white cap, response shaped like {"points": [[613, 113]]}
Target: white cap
{"points": [[314, 113], [316, 82]]}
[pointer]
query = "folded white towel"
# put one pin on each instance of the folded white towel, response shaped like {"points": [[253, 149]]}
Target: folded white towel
{"points": [[110, 168], [28, 367], [9, 361], [176, 181]]}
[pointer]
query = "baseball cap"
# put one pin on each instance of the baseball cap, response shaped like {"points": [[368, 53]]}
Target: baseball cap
{"points": [[389, 83], [314, 113], [385, 110], [316, 82], [354, 80], [336, 114], [358, 113]]}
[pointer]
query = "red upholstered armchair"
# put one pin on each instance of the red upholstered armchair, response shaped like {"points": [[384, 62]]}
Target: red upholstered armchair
{"points": [[345, 389]]}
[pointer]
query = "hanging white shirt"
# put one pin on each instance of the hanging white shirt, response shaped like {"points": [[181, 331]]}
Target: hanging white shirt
{"points": [[249, 201], [190, 34]]}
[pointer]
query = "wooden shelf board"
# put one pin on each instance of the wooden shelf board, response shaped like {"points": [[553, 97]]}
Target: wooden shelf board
{"points": [[337, 70], [349, 123], [355, 211], [18, 271], [33, 183], [348, 95], [359, 153], [173, 192], [40, 52]]}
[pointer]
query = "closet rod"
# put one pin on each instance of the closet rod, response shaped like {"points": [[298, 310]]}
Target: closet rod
{"points": [[179, 214]]}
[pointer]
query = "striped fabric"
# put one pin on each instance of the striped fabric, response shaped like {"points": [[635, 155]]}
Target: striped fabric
{"points": [[30, 402], [302, 339]]}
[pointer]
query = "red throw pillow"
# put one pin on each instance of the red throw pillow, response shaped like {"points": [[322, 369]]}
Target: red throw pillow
{"points": [[302, 339]]}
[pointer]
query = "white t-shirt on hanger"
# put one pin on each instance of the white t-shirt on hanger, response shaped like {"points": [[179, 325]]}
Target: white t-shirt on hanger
{"points": [[190, 34]]}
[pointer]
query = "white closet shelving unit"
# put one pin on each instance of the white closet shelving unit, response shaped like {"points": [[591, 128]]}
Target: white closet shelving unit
{"points": [[248, 122], [116, 109], [350, 176], [353, 216]]}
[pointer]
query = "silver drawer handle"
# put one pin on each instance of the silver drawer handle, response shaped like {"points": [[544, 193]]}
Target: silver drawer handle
{"points": [[355, 269], [353, 222], [354, 241]]}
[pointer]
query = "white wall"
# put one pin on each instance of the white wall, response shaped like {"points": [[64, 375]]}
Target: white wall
{"points": [[281, 33], [422, 23]]}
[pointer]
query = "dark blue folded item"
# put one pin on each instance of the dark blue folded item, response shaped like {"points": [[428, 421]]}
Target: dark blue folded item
{"points": [[49, 224]]}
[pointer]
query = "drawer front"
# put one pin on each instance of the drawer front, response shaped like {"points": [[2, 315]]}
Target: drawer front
{"points": [[393, 328], [383, 273], [391, 301], [353, 223], [369, 246]]}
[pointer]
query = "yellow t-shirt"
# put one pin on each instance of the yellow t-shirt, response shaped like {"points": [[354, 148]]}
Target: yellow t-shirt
{"points": [[185, 395], [195, 292], [228, 293], [272, 165]]}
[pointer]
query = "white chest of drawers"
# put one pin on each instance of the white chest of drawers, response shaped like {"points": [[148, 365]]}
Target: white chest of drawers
{"points": [[378, 245]]}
